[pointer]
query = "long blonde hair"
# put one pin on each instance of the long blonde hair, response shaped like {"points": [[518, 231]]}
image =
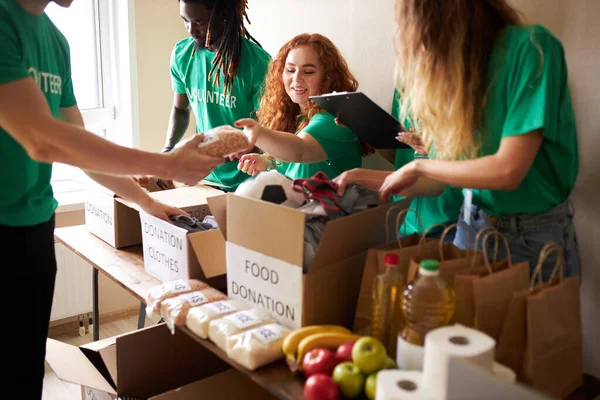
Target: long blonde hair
{"points": [[442, 54]]}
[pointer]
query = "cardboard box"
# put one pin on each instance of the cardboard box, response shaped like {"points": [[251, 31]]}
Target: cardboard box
{"points": [[265, 247], [117, 221], [114, 222], [141, 364], [228, 385], [171, 252]]}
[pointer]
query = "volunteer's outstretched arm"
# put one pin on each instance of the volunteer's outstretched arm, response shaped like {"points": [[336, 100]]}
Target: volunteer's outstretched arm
{"points": [[285, 146], [374, 180], [25, 115], [124, 186], [504, 170]]}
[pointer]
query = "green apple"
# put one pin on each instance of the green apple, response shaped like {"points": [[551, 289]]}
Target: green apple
{"points": [[368, 354], [389, 363], [349, 379], [371, 385]]}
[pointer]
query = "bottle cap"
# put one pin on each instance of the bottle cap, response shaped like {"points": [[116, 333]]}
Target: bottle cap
{"points": [[391, 258], [430, 265]]}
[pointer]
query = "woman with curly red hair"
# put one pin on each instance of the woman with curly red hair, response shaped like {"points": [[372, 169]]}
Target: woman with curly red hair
{"points": [[290, 127]]}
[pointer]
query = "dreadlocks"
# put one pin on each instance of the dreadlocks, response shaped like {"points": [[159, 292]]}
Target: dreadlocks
{"points": [[227, 59]]}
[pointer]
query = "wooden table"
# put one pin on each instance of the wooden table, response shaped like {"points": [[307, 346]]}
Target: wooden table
{"points": [[126, 268]]}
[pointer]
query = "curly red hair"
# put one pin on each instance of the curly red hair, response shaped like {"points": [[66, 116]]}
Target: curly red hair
{"points": [[277, 111]]}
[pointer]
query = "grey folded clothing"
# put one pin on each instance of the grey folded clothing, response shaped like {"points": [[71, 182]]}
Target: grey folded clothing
{"points": [[326, 205], [191, 224]]}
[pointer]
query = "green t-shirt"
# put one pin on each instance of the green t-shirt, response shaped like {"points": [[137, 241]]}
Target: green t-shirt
{"points": [[443, 209], [211, 106], [340, 144], [529, 91], [30, 46]]}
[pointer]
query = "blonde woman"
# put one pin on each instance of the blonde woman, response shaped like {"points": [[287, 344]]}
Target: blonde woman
{"points": [[489, 98]]}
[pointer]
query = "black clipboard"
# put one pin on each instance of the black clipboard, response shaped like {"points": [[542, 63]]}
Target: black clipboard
{"points": [[364, 117]]}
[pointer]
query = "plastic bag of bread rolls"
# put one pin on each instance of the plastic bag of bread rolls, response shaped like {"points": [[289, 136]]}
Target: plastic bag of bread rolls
{"points": [[174, 310], [222, 141], [166, 290], [220, 329], [258, 346], [198, 318]]}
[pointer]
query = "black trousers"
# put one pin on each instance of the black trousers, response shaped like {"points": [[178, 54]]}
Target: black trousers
{"points": [[29, 276]]}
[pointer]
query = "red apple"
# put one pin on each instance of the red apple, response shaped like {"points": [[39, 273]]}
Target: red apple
{"points": [[319, 361], [344, 352], [321, 387]]}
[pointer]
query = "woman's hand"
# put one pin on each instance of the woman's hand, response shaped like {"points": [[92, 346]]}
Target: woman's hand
{"points": [[348, 178], [395, 183], [162, 211], [252, 129], [414, 141], [368, 178], [253, 164]]}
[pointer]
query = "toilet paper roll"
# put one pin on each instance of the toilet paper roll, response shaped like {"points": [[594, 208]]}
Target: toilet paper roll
{"points": [[400, 385], [504, 373], [409, 356], [457, 341]]}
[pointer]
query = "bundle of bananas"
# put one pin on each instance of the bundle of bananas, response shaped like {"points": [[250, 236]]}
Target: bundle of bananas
{"points": [[303, 340]]}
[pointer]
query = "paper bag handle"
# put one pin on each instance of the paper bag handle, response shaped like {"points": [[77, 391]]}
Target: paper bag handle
{"points": [[387, 222], [484, 246], [426, 231], [477, 238], [559, 267], [400, 215], [448, 229]]}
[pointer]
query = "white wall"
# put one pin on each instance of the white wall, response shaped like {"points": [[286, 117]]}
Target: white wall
{"points": [[157, 27], [575, 24], [361, 29]]}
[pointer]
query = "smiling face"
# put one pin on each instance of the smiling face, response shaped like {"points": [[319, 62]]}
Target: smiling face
{"points": [[302, 75]]}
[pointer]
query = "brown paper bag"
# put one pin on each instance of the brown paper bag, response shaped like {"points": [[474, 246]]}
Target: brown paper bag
{"points": [[553, 361], [452, 259], [493, 293], [464, 308], [510, 347], [404, 247]]}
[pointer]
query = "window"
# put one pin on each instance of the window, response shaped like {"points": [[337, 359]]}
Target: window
{"points": [[101, 70], [86, 26]]}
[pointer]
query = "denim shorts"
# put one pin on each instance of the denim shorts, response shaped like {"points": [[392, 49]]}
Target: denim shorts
{"points": [[527, 235]]}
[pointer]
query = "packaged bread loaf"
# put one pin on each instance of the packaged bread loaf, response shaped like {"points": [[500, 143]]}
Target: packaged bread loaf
{"points": [[220, 329], [198, 318], [222, 141], [175, 310], [166, 290], [258, 346]]}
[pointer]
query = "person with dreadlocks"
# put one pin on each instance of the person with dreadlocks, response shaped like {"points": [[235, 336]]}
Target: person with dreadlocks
{"points": [[293, 129], [218, 71]]}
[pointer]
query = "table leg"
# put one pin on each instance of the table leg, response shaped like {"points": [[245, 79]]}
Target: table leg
{"points": [[142, 316], [96, 333]]}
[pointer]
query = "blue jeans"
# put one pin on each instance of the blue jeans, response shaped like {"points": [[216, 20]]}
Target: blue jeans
{"points": [[527, 235]]}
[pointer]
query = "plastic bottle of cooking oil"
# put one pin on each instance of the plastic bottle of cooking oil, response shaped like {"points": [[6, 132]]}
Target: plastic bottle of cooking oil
{"points": [[387, 290], [427, 303]]}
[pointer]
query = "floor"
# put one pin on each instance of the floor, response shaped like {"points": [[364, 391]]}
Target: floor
{"points": [[54, 388]]}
